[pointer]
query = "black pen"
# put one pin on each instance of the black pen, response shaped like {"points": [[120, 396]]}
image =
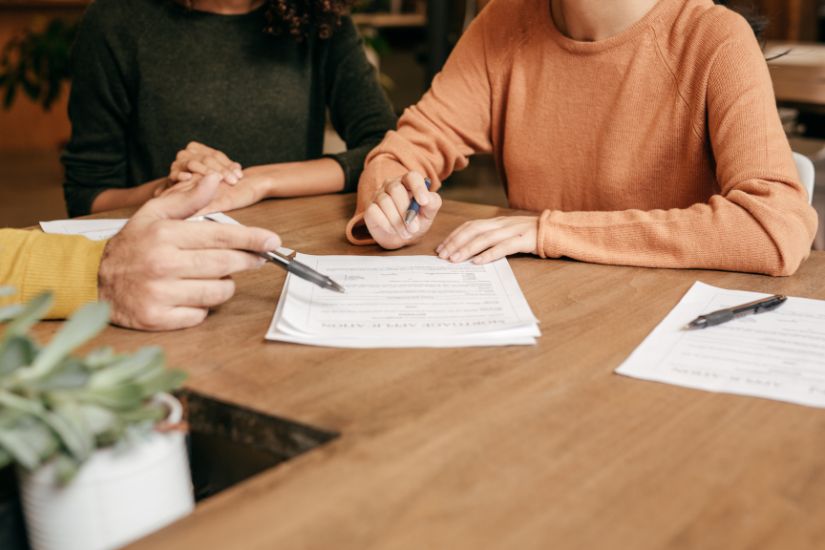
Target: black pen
{"points": [[725, 315], [295, 267]]}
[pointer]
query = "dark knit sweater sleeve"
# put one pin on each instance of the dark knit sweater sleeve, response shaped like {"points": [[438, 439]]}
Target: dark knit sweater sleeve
{"points": [[99, 108], [359, 108]]}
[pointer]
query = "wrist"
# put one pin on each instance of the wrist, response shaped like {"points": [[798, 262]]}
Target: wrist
{"points": [[266, 178]]}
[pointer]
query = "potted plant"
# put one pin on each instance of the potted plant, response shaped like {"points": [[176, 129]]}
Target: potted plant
{"points": [[37, 63], [98, 465]]}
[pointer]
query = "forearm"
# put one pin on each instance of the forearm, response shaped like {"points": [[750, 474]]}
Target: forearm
{"points": [[112, 199], [760, 228], [299, 179]]}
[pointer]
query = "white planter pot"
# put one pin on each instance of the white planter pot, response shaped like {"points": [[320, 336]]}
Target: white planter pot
{"points": [[118, 495]]}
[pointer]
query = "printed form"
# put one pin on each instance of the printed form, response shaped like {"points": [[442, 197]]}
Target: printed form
{"points": [[777, 355], [404, 301]]}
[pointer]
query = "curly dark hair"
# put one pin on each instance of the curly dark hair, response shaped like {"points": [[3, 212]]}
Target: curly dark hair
{"points": [[302, 19]]}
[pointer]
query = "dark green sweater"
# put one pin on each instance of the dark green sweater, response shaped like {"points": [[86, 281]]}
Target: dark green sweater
{"points": [[150, 76]]}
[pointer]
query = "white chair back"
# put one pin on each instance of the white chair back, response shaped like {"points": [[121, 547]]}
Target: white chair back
{"points": [[805, 167]]}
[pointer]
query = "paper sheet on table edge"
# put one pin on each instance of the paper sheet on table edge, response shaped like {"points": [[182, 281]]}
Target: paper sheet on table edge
{"points": [[748, 295], [56, 227]]}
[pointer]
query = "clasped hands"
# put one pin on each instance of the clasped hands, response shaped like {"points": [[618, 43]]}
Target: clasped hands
{"points": [[479, 241], [238, 187]]}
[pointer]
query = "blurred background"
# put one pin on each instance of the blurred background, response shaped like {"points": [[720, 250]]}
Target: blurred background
{"points": [[408, 40]]}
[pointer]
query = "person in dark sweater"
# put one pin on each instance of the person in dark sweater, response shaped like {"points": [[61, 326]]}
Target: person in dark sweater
{"points": [[165, 92]]}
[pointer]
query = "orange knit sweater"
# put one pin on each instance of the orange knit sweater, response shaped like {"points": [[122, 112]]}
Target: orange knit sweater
{"points": [[660, 146]]}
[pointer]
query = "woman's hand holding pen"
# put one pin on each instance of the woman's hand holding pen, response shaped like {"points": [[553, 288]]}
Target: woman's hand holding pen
{"points": [[385, 216]]}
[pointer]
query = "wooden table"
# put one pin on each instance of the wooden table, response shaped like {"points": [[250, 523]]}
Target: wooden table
{"points": [[522, 447]]}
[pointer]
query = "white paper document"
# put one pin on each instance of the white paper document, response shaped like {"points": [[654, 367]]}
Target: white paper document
{"points": [[404, 301], [98, 230], [779, 354]]}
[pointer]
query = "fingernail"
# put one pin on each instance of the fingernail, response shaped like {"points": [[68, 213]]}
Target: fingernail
{"points": [[260, 262], [414, 226], [272, 244], [406, 234], [455, 257], [443, 254], [239, 173], [438, 248]]}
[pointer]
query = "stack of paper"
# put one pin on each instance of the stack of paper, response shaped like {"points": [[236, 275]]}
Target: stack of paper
{"points": [[404, 301], [778, 354]]}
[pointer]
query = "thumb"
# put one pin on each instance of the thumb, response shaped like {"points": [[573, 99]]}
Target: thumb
{"points": [[429, 210], [183, 204]]}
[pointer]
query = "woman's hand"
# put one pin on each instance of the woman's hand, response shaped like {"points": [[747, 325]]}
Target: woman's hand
{"points": [[250, 190], [488, 240], [385, 216], [198, 159]]}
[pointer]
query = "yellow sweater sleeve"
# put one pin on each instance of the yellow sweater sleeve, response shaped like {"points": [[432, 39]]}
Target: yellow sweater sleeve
{"points": [[32, 262]]}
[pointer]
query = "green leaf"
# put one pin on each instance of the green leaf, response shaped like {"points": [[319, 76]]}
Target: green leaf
{"points": [[119, 398], [22, 404], [70, 375], [101, 357], [21, 445], [128, 368], [16, 352], [150, 412], [68, 421], [7, 313], [31, 314], [83, 326], [17, 447], [99, 420], [164, 381], [65, 468], [64, 421]]}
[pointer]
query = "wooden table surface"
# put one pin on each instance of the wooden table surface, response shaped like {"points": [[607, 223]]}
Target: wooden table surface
{"points": [[522, 447]]}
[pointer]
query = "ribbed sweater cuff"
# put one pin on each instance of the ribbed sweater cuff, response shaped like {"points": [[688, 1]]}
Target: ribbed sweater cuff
{"points": [[540, 235], [66, 265]]}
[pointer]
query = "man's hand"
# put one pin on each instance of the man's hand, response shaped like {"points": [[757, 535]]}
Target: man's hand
{"points": [[163, 273]]}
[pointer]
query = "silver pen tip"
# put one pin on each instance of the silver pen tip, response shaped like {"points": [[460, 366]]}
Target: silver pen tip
{"points": [[332, 285], [696, 323], [409, 217]]}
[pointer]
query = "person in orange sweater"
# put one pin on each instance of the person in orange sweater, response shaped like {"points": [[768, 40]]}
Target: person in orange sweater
{"points": [[641, 132]]}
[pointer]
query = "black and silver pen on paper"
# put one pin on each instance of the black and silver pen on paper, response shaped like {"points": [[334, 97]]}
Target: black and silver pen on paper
{"points": [[295, 267], [728, 314]]}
